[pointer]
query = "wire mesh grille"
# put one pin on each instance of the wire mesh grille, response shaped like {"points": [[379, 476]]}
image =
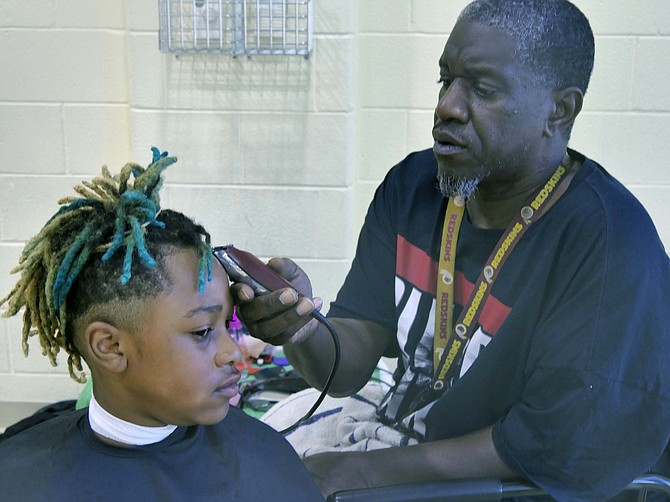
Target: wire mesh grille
{"points": [[236, 26]]}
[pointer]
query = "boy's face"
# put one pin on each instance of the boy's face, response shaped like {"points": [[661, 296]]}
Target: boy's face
{"points": [[181, 366]]}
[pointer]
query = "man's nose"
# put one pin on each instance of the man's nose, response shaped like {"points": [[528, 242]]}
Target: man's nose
{"points": [[452, 103]]}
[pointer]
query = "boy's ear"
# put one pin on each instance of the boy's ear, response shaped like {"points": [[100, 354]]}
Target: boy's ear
{"points": [[567, 105], [106, 345]]}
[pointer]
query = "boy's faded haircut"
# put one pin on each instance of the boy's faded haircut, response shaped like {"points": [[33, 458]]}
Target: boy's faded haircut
{"points": [[97, 254]]}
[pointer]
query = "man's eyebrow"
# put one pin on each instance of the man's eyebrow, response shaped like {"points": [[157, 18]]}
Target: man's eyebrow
{"points": [[482, 68], [208, 308], [477, 70]]}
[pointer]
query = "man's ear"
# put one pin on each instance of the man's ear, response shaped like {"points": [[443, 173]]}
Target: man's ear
{"points": [[106, 345], [567, 105]]}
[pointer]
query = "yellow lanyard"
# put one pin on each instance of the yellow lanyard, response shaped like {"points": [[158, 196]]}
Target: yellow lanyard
{"points": [[446, 274], [447, 348]]}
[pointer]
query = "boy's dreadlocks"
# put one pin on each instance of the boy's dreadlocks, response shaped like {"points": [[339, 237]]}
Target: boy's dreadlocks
{"points": [[74, 265]]}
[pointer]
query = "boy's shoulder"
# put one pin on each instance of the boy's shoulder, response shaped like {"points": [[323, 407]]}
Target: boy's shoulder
{"points": [[44, 428], [38, 447], [237, 419], [248, 434], [62, 430], [65, 452], [240, 447]]}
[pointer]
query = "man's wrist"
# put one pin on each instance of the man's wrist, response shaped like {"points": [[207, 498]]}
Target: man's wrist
{"points": [[304, 334]]}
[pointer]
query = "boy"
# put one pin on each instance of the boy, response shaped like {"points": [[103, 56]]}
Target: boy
{"points": [[133, 291]]}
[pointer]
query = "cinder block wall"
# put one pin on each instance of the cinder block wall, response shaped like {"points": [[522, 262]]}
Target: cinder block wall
{"points": [[278, 155]]}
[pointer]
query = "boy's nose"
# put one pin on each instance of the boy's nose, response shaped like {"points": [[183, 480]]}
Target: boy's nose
{"points": [[228, 351]]}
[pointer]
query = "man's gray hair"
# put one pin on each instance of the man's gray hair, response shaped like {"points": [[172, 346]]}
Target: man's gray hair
{"points": [[554, 38]]}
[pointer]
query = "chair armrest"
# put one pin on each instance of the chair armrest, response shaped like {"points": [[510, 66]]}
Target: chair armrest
{"points": [[480, 489], [475, 489]]}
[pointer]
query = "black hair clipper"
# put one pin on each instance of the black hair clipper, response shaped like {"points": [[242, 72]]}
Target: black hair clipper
{"points": [[244, 267]]}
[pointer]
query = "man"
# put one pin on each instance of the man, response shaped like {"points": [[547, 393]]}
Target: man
{"points": [[545, 354]]}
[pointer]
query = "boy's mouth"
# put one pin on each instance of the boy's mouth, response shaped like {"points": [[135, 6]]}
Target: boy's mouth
{"points": [[230, 387]]}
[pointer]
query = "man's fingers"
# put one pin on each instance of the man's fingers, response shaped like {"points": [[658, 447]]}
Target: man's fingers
{"points": [[242, 293], [290, 271], [278, 316]]}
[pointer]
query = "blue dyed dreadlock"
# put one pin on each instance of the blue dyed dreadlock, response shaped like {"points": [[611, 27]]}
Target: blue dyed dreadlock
{"points": [[112, 213], [141, 204]]}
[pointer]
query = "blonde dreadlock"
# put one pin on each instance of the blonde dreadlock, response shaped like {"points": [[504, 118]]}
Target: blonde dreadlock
{"points": [[110, 214]]}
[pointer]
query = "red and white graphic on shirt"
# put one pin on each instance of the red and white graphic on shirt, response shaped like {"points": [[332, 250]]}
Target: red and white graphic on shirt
{"points": [[416, 267]]}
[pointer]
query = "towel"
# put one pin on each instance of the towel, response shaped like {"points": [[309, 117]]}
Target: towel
{"points": [[339, 424]]}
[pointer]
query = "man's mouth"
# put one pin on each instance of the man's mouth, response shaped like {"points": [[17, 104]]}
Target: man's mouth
{"points": [[447, 147], [446, 143], [447, 139]]}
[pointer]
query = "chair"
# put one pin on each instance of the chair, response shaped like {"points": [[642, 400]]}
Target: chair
{"points": [[481, 489]]}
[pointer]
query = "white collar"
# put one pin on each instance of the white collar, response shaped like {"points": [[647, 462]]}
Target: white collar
{"points": [[111, 427]]}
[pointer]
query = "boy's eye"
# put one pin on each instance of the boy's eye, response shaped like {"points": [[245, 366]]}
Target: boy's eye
{"points": [[202, 333], [228, 321]]}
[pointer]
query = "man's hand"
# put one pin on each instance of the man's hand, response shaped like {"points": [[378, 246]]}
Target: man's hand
{"points": [[335, 471], [281, 316]]}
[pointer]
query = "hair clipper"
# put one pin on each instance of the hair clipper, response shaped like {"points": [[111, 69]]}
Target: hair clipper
{"points": [[244, 267]]}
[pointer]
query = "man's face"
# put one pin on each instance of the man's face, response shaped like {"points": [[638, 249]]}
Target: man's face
{"points": [[490, 115], [181, 368]]}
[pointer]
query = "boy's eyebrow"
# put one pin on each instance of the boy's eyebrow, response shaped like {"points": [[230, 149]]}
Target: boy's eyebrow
{"points": [[209, 308]]}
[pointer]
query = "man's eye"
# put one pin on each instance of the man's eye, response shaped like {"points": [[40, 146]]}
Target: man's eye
{"points": [[201, 333], [445, 81], [484, 91]]}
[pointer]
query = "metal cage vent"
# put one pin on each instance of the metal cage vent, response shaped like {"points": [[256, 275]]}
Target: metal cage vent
{"points": [[236, 26]]}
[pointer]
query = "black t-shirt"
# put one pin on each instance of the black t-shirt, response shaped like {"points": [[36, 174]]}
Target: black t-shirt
{"points": [[569, 363], [237, 459]]}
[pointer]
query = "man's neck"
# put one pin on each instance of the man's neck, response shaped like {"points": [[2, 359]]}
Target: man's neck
{"points": [[494, 207]]}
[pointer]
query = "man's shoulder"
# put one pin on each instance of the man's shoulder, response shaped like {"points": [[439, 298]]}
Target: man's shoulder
{"points": [[611, 192], [416, 163], [414, 176], [605, 198]]}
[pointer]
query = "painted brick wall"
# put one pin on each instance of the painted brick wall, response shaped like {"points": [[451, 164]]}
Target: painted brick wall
{"points": [[266, 145], [279, 155]]}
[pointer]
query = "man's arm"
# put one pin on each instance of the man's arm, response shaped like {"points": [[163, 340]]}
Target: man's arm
{"points": [[472, 455], [362, 343]]}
